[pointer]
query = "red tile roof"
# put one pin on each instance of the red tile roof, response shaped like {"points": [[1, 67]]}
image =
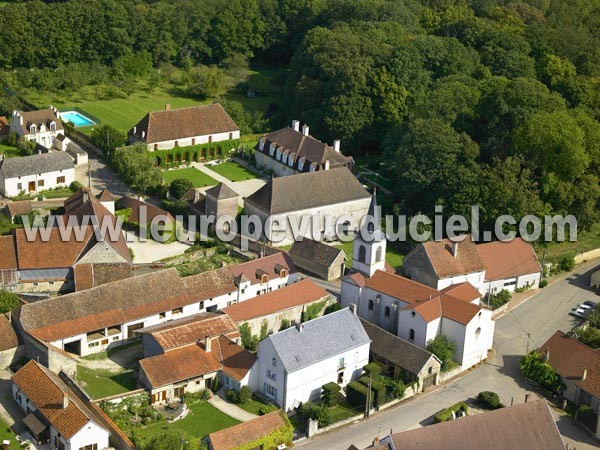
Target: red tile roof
{"points": [[446, 264], [570, 358], [247, 432], [170, 125], [508, 259], [47, 392], [183, 363], [271, 265], [297, 294], [236, 361], [151, 211], [212, 283], [8, 335], [463, 291], [8, 255]]}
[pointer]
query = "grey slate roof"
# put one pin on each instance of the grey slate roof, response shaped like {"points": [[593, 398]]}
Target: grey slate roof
{"points": [[308, 190], [318, 252], [30, 165], [221, 191], [396, 350], [340, 331]]}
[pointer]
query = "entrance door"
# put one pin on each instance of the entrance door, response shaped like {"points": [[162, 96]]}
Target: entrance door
{"points": [[429, 381], [31, 186]]}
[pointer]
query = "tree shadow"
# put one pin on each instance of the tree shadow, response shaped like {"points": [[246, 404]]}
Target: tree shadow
{"points": [[582, 281]]}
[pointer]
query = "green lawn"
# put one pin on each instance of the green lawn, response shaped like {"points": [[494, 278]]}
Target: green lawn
{"points": [[10, 152], [233, 171], [202, 419], [342, 411], [252, 406], [587, 240], [198, 179], [7, 434], [103, 383], [392, 255], [57, 193]]}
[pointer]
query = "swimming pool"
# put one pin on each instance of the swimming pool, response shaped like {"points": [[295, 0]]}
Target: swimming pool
{"points": [[76, 118]]}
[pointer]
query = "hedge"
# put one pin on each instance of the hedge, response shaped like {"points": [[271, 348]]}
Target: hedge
{"points": [[446, 414], [373, 369], [282, 435], [356, 394], [379, 389], [174, 156], [331, 394]]}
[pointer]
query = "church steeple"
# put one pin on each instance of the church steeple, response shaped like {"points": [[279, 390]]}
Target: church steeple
{"points": [[368, 254]]}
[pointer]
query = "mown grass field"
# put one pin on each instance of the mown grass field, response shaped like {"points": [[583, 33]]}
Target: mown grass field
{"points": [[103, 383], [6, 434], [198, 179], [233, 171]]}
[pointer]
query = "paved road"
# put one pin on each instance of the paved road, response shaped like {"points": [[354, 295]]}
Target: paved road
{"points": [[102, 177], [539, 317]]}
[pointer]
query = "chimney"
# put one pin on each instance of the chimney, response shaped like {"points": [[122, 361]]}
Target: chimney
{"points": [[65, 400], [167, 107], [547, 356], [305, 130], [296, 125], [207, 344], [85, 197], [336, 145], [20, 120], [134, 130], [143, 134], [327, 165], [584, 375], [455, 249], [353, 308], [300, 327]]}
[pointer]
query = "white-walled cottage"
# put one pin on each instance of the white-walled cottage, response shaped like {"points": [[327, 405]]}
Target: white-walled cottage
{"points": [[54, 414], [162, 130], [294, 363], [35, 173], [41, 126]]}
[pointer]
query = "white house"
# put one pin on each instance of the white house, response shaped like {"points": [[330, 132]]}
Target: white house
{"points": [[41, 126], [308, 198], [510, 265], [293, 364], [289, 151], [54, 414], [440, 264], [35, 173], [414, 311], [162, 130]]}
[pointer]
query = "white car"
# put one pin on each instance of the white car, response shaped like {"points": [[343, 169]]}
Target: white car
{"points": [[585, 307], [578, 312]]}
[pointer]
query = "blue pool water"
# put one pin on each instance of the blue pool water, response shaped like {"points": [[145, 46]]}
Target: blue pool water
{"points": [[76, 118]]}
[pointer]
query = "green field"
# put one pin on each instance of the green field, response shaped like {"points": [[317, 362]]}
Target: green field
{"points": [[198, 179], [233, 171], [103, 383], [202, 419], [10, 152], [7, 434], [586, 240]]}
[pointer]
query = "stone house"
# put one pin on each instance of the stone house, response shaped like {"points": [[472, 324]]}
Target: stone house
{"points": [[403, 359], [325, 261], [290, 151], [54, 414], [288, 303], [35, 173], [308, 197], [163, 130]]}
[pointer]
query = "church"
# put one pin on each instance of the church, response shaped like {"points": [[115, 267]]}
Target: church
{"points": [[411, 310]]}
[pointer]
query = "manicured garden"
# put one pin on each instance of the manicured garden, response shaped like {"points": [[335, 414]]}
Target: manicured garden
{"points": [[233, 171], [198, 179], [11, 152], [6, 434], [104, 383]]}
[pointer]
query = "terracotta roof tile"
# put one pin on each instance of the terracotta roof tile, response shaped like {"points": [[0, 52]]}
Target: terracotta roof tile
{"points": [[105, 196], [183, 363], [8, 256], [19, 208], [136, 210], [508, 259], [300, 293], [271, 265], [446, 264], [170, 125], [246, 432], [429, 310], [236, 361], [177, 333], [463, 291], [570, 358], [212, 283], [8, 335], [47, 392]]}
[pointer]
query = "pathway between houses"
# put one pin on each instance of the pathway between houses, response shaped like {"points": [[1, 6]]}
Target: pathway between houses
{"points": [[230, 409]]}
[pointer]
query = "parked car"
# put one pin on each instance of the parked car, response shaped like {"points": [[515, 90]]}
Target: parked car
{"points": [[578, 312], [585, 307], [590, 303]]}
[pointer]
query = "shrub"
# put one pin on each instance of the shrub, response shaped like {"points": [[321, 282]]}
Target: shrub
{"points": [[356, 394], [179, 187], [8, 301], [566, 263], [373, 368], [245, 394], [446, 414], [543, 283], [536, 369], [75, 186], [395, 388], [499, 299], [266, 409], [444, 349], [489, 400], [232, 395], [285, 324], [320, 413], [377, 387], [331, 394]]}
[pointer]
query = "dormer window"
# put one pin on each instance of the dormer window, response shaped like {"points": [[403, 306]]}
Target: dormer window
{"points": [[264, 278], [33, 129], [271, 149], [291, 160], [261, 144], [278, 155], [301, 164], [283, 273], [52, 126]]}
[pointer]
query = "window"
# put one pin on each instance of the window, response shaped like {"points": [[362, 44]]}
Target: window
{"points": [[270, 390], [283, 273], [379, 254], [177, 311], [362, 254], [413, 314], [251, 228], [90, 447], [388, 311], [430, 370], [41, 183], [477, 332], [274, 362], [264, 278], [52, 126], [162, 315], [60, 180], [371, 305], [341, 363], [32, 129], [20, 186], [271, 375], [411, 334]]}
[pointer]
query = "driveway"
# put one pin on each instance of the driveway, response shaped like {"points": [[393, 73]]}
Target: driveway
{"points": [[102, 177], [151, 251], [526, 327], [243, 188]]}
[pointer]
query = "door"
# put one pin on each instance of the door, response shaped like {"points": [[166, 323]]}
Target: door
{"points": [[429, 381], [31, 186]]}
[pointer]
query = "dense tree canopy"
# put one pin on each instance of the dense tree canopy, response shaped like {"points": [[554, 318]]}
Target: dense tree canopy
{"points": [[470, 101]]}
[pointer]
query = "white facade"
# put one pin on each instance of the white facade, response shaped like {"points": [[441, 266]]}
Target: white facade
{"points": [[528, 281], [289, 390], [476, 279], [40, 133], [11, 187], [195, 140], [90, 434]]}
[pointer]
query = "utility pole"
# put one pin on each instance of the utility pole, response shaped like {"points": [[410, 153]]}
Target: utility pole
{"points": [[543, 262], [368, 405], [527, 348], [489, 294]]}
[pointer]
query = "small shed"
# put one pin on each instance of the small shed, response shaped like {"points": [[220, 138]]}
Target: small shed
{"points": [[324, 261], [595, 278]]}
